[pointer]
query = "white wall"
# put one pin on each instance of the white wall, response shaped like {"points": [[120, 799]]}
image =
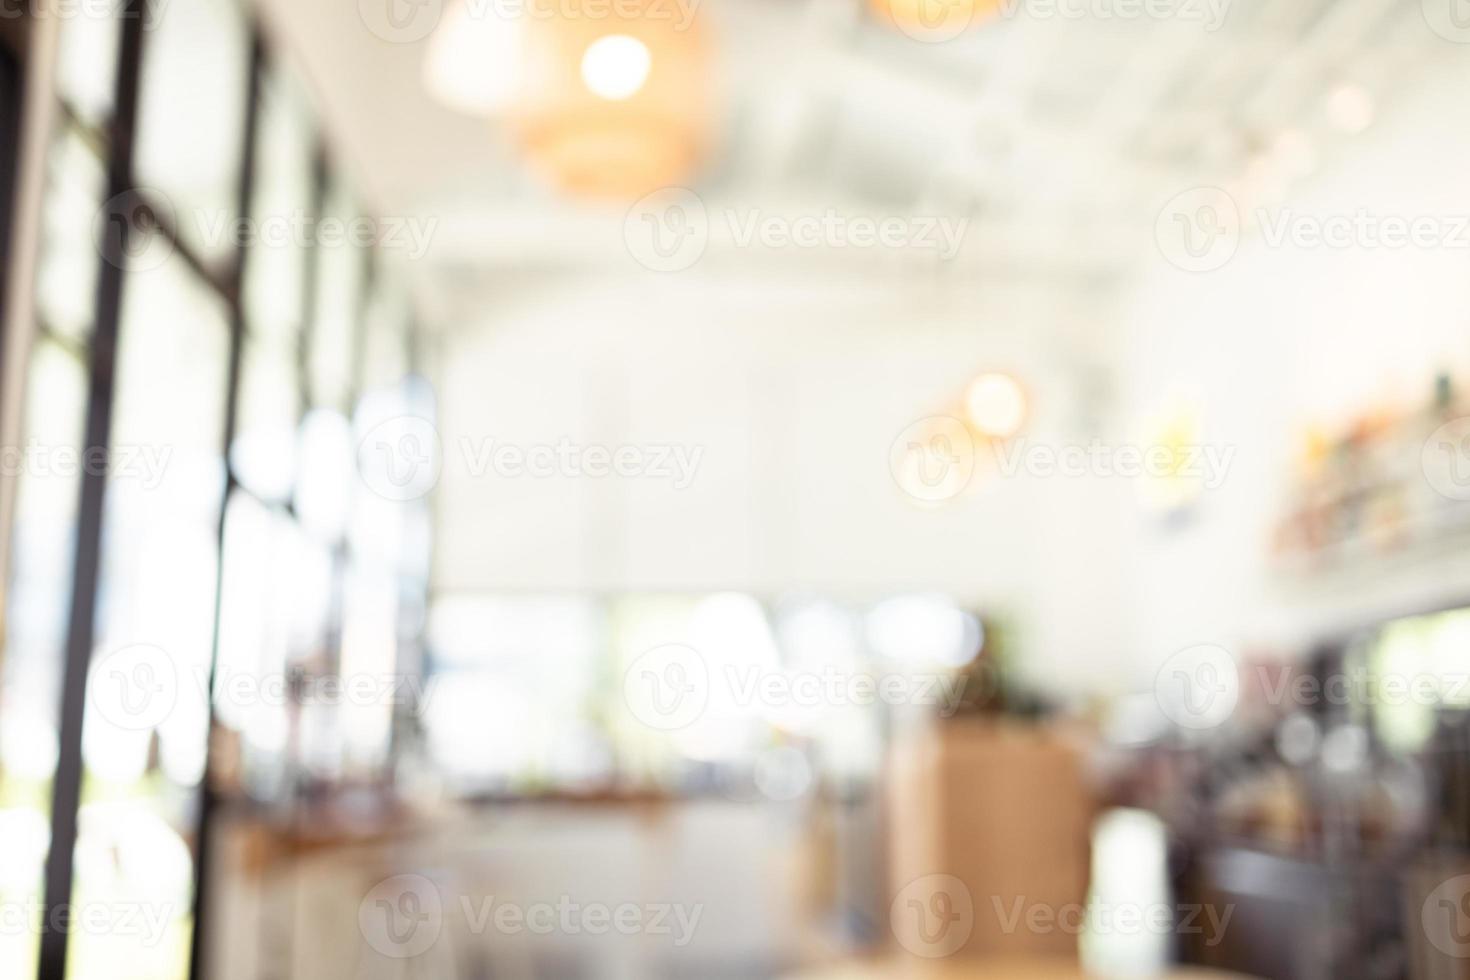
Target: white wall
{"points": [[794, 391], [1282, 337]]}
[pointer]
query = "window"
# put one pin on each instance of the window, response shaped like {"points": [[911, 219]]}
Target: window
{"points": [[316, 575]]}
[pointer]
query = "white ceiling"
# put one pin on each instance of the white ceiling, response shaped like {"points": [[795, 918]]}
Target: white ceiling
{"points": [[1058, 138]]}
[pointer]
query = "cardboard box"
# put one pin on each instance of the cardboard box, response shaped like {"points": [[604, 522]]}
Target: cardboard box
{"points": [[989, 827]]}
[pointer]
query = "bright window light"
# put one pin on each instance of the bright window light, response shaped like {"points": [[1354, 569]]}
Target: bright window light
{"points": [[924, 630]]}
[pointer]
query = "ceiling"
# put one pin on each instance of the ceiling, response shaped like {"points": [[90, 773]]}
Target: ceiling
{"points": [[1058, 137]]}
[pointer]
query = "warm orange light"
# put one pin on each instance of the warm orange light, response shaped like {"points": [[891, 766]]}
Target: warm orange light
{"points": [[614, 105], [995, 405]]}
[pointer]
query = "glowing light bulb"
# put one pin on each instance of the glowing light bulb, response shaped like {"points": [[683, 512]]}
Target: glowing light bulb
{"points": [[995, 405], [615, 67]]}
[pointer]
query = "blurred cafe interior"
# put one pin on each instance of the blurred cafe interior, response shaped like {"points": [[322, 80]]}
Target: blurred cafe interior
{"points": [[703, 489]]}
